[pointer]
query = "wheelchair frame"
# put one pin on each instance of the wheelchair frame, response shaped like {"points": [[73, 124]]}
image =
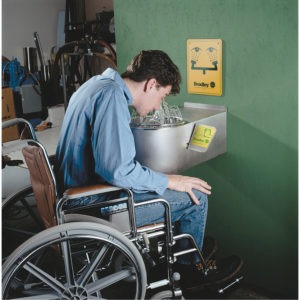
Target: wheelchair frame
{"points": [[77, 226]]}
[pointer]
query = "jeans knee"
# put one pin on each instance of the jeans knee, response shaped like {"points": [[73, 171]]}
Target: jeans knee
{"points": [[202, 197]]}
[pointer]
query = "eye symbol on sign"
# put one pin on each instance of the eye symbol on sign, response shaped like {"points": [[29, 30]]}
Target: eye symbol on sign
{"points": [[212, 55]]}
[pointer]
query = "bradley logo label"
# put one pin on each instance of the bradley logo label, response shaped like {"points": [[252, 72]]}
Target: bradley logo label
{"points": [[203, 84]]}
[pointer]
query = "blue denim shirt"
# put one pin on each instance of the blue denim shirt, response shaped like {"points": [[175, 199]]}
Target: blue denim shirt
{"points": [[96, 143]]}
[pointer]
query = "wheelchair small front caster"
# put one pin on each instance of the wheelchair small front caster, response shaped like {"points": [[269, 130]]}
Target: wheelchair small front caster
{"points": [[165, 295], [176, 293]]}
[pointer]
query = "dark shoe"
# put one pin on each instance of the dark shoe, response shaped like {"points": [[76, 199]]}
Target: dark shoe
{"points": [[195, 279], [209, 248]]}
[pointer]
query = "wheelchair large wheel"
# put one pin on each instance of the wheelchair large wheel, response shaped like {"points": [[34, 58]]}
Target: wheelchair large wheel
{"points": [[74, 261], [20, 219]]}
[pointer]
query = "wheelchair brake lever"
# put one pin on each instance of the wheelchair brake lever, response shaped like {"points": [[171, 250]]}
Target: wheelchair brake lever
{"points": [[149, 259], [145, 249]]}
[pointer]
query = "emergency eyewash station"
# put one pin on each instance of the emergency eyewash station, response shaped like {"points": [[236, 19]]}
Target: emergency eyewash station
{"points": [[194, 134], [174, 139]]}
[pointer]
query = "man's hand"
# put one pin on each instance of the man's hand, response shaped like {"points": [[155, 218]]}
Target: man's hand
{"points": [[186, 184]]}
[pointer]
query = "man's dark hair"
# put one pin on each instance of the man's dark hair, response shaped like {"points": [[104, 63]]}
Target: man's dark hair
{"points": [[155, 64]]}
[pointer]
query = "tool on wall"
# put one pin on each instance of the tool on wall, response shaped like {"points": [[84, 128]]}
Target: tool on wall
{"points": [[87, 51]]}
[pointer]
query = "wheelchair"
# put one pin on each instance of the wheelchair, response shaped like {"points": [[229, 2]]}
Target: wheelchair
{"points": [[82, 256]]}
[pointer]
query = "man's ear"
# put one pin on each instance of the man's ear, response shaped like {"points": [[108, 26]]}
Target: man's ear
{"points": [[150, 83]]}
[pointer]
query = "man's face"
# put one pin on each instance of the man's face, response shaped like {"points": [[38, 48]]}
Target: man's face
{"points": [[152, 98]]}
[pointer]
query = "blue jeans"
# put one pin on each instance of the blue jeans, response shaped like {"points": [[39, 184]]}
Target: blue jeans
{"points": [[186, 216]]}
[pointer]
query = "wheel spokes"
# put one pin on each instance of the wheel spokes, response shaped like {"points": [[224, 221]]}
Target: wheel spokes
{"points": [[91, 267], [107, 281], [45, 278]]}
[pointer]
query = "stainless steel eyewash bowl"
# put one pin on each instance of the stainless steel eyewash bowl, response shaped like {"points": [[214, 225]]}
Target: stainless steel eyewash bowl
{"points": [[170, 149]]}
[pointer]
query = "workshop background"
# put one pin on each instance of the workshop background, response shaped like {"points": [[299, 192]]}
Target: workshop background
{"points": [[254, 206]]}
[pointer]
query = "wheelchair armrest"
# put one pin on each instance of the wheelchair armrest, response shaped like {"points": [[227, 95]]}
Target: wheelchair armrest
{"points": [[84, 191]]}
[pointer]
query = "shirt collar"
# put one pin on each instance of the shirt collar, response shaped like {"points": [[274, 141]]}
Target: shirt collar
{"points": [[114, 75]]}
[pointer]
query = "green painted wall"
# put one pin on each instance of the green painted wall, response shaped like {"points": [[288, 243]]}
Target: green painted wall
{"points": [[253, 209]]}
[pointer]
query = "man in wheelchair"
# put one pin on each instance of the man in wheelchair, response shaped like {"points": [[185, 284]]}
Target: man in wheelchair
{"points": [[96, 145]]}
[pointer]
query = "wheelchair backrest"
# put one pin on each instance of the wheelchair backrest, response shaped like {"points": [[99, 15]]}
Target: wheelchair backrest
{"points": [[43, 182]]}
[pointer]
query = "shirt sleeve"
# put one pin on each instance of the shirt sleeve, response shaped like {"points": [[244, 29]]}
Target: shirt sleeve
{"points": [[114, 147]]}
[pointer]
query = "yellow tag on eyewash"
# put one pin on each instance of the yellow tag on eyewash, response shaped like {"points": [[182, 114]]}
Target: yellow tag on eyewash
{"points": [[202, 136]]}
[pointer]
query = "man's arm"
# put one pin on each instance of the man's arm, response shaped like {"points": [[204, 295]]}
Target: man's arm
{"points": [[114, 148]]}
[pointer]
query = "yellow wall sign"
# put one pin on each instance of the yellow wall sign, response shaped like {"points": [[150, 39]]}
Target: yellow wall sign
{"points": [[202, 137], [204, 66]]}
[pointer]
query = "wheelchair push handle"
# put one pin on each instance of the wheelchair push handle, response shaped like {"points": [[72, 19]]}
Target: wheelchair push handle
{"points": [[12, 122]]}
